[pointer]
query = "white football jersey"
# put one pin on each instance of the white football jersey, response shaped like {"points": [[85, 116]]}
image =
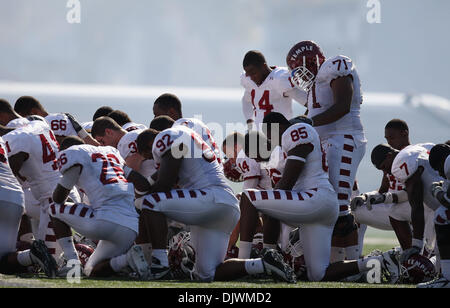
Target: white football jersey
{"points": [[320, 97], [275, 94], [314, 172], [10, 189], [200, 168], [130, 126], [406, 164], [251, 169], [41, 168], [103, 180], [201, 129], [127, 146], [60, 125], [19, 122]]}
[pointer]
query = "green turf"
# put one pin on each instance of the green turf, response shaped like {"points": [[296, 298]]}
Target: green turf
{"points": [[33, 281]]}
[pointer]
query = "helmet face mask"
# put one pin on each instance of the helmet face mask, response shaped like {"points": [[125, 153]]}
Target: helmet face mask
{"points": [[302, 78]]}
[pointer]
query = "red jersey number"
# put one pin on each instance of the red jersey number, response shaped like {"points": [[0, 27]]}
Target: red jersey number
{"points": [[264, 103], [109, 162]]}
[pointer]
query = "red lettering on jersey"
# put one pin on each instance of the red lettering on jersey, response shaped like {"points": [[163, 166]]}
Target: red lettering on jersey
{"points": [[133, 147], [109, 162], [299, 133], [48, 155], [58, 124], [244, 167], [263, 103], [2, 155], [315, 103], [405, 166]]}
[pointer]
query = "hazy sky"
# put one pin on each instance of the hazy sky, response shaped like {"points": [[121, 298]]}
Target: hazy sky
{"points": [[202, 42]]}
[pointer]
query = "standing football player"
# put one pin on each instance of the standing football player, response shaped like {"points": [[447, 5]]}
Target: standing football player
{"points": [[267, 89], [334, 99]]}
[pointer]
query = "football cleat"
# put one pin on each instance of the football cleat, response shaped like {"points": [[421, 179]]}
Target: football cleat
{"points": [[136, 260], [159, 271], [39, 255], [438, 283], [391, 265], [275, 266]]}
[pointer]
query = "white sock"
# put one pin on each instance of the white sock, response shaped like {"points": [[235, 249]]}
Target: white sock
{"points": [[445, 268], [24, 258], [245, 248], [337, 254], [118, 263], [254, 266], [352, 252], [362, 263], [270, 246], [68, 248], [161, 255]]}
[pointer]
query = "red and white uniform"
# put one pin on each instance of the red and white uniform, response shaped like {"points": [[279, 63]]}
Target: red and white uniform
{"points": [[11, 204], [405, 164], [19, 122], [130, 126], [275, 94], [311, 204], [343, 140], [275, 165], [204, 201], [39, 171], [201, 129], [111, 217], [60, 125], [252, 170], [127, 146]]}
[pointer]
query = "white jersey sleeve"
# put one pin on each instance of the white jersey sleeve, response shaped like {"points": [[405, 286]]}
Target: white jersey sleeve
{"points": [[131, 126], [406, 162], [60, 125], [69, 158], [336, 67], [297, 134], [247, 107], [127, 144]]}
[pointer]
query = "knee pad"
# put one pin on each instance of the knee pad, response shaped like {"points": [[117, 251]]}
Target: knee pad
{"points": [[442, 235], [345, 225]]}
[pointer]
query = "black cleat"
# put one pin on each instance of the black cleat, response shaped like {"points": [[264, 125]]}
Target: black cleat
{"points": [[40, 255], [275, 266]]}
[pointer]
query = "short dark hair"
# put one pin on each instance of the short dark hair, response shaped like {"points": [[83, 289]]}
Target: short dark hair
{"points": [[233, 139], [101, 124], [24, 104], [397, 124], [161, 123], [438, 155], [379, 154], [301, 119], [5, 106], [70, 141], [253, 57], [101, 112], [447, 142], [255, 138], [167, 100], [120, 117], [144, 138]]}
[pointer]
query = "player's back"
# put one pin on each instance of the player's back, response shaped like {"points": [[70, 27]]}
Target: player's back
{"points": [[200, 168], [314, 173], [406, 164], [60, 125], [320, 97], [40, 169]]}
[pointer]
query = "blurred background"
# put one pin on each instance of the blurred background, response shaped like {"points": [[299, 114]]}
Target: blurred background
{"points": [[139, 49]]}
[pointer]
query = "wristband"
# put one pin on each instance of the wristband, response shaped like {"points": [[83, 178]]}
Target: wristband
{"points": [[296, 158], [127, 170], [83, 133], [388, 198]]}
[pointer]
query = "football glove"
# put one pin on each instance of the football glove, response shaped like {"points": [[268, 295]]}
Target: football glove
{"points": [[358, 201], [82, 133]]}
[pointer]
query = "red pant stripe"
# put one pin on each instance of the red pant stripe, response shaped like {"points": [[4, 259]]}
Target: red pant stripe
{"points": [[193, 194], [156, 197], [203, 193], [52, 208], [62, 208], [345, 172], [343, 208], [168, 195], [51, 251], [264, 195], [72, 209], [342, 196], [276, 195], [50, 238], [348, 137], [180, 194], [289, 195], [348, 148], [346, 160], [344, 184], [83, 212], [309, 194], [251, 194], [300, 197]]}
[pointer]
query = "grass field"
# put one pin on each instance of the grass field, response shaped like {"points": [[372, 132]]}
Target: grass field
{"points": [[40, 282]]}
